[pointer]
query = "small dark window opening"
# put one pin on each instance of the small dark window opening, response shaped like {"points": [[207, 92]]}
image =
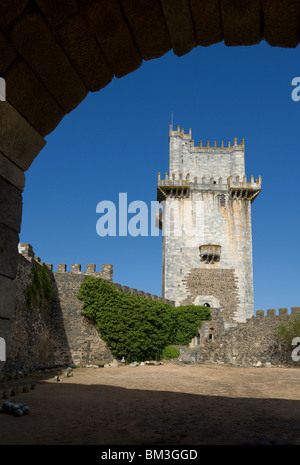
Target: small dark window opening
{"points": [[206, 305], [210, 337], [222, 200]]}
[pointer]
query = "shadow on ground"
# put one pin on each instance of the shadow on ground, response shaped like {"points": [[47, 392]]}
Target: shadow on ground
{"points": [[68, 413]]}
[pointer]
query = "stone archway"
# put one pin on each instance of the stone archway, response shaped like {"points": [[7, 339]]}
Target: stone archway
{"points": [[54, 52]]}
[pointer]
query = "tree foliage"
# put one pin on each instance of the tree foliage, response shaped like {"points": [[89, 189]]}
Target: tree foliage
{"points": [[135, 327], [288, 330]]}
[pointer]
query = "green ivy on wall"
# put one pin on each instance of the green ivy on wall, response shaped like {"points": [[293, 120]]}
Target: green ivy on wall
{"points": [[39, 291], [135, 327]]}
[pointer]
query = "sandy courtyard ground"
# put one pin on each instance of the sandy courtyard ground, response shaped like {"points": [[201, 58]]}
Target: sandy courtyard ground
{"points": [[159, 405]]}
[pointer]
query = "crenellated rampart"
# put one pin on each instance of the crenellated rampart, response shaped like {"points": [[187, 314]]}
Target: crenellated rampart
{"points": [[56, 333], [252, 343]]}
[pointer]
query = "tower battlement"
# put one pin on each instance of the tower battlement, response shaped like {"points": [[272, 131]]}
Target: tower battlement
{"points": [[208, 161], [208, 147]]}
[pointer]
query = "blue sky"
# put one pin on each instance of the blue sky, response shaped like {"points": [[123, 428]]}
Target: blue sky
{"points": [[116, 141]]}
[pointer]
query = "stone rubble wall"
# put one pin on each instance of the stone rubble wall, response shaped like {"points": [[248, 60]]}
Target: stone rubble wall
{"points": [[57, 334], [246, 344], [38, 338]]}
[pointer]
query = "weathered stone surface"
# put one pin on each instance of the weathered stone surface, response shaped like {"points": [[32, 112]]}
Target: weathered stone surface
{"points": [[33, 102], [10, 205], [7, 54], [107, 272], [252, 343], [180, 26], [35, 42], [113, 34], [11, 173], [84, 53], [84, 343], [207, 21], [38, 339], [148, 25], [8, 251], [5, 333], [10, 11], [222, 284], [7, 297], [194, 219], [281, 22], [19, 141], [56, 11], [242, 22]]}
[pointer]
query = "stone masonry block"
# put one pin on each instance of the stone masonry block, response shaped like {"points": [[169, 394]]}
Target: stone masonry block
{"points": [[28, 95], [61, 268], [260, 313], [5, 333], [180, 27], [9, 11], [148, 25], [90, 268], [56, 11], [11, 173], [271, 312], [7, 297], [281, 22], [35, 42], [8, 251], [76, 268], [26, 250], [10, 205], [7, 54], [19, 141], [242, 22], [82, 49], [113, 35], [282, 311], [207, 21]]}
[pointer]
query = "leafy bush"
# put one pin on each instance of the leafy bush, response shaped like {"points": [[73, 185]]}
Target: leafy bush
{"points": [[188, 320], [134, 327], [170, 352], [287, 331]]}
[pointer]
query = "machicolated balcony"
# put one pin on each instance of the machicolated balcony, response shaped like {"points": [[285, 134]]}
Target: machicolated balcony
{"points": [[242, 189], [170, 187], [210, 253]]}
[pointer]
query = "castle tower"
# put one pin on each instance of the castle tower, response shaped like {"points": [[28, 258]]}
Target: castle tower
{"points": [[206, 224]]}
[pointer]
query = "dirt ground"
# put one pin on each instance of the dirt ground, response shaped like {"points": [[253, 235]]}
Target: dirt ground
{"points": [[158, 405]]}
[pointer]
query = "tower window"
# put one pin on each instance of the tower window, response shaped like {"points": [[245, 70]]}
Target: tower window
{"points": [[222, 200]]}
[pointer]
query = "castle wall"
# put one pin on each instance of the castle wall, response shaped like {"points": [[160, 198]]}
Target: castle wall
{"points": [[38, 337], [246, 344], [55, 333], [85, 345]]}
